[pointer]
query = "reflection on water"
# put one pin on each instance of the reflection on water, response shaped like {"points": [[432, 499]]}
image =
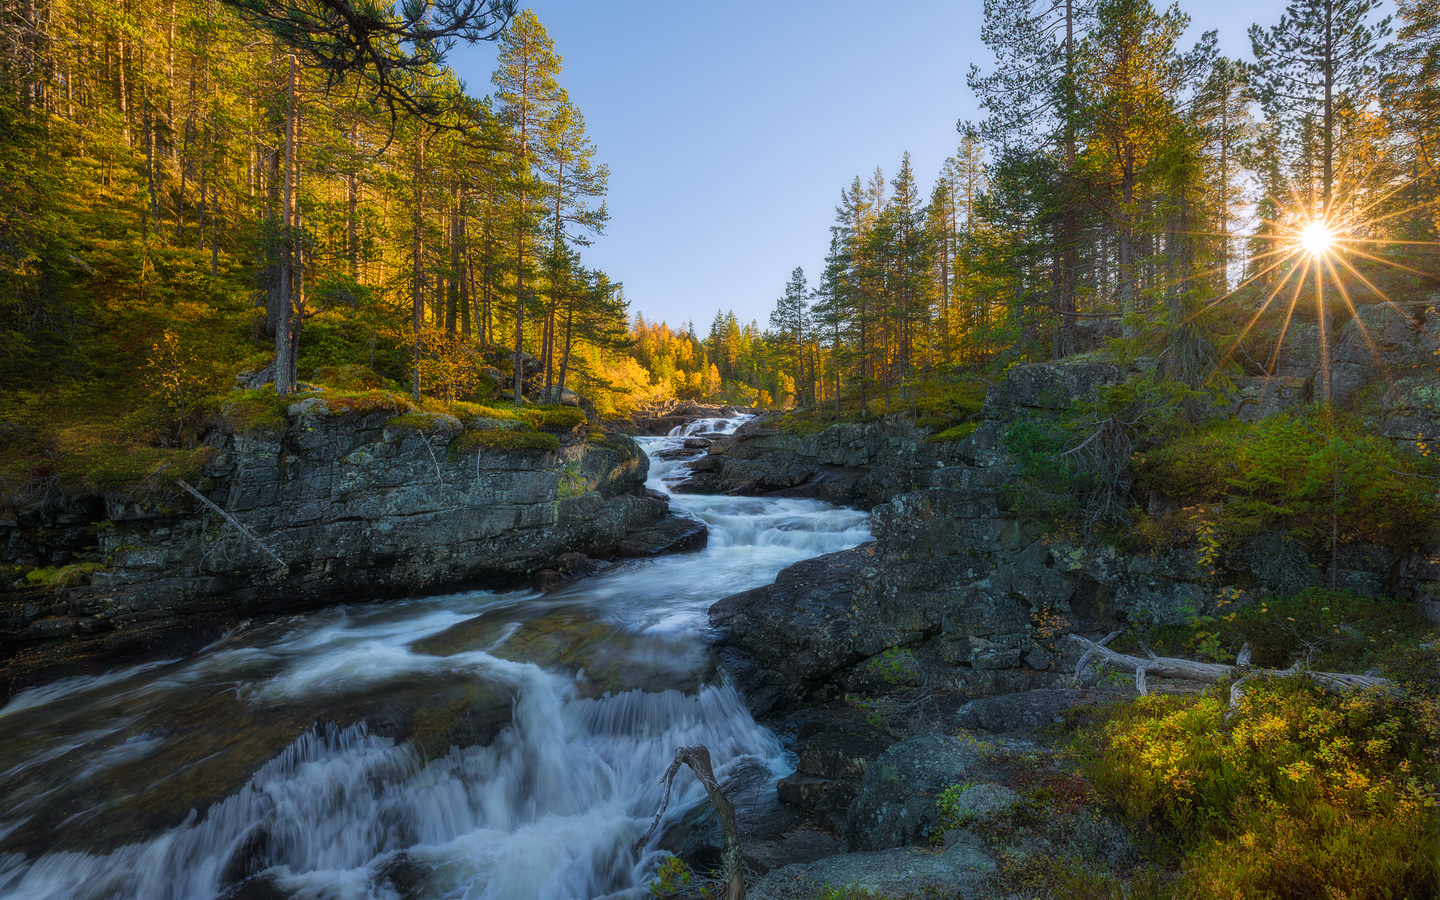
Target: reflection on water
{"points": [[474, 745]]}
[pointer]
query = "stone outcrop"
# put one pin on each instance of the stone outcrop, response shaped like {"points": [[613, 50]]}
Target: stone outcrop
{"points": [[340, 504]]}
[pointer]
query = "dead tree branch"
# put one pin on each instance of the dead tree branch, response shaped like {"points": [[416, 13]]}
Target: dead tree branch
{"points": [[1189, 669], [698, 759], [232, 520]]}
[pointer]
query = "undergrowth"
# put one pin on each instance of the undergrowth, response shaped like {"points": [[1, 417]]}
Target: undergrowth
{"points": [[1296, 794], [1321, 481]]}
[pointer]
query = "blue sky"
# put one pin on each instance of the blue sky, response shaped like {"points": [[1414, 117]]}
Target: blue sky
{"points": [[730, 129]]}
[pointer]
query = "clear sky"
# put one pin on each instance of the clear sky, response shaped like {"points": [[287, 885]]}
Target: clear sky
{"points": [[730, 129]]}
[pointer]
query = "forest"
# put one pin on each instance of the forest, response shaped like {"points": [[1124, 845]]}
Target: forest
{"points": [[195, 189]]}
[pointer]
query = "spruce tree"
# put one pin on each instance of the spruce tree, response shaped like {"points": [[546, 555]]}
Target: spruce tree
{"points": [[790, 319]]}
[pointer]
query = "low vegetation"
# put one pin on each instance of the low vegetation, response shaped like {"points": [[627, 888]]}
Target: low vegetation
{"points": [[1295, 794]]}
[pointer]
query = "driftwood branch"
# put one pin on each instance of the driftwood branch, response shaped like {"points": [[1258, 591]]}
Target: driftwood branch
{"points": [[698, 759], [1172, 667], [254, 539]]}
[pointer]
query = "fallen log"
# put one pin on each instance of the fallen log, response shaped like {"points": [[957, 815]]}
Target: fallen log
{"points": [[698, 759], [1210, 673]]}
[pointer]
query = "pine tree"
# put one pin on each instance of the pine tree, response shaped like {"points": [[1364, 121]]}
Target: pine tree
{"points": [[791, 319], [1320, 57], [530, 99]]}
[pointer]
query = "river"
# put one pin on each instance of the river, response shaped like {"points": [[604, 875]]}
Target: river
{"points": [[471, 745]]}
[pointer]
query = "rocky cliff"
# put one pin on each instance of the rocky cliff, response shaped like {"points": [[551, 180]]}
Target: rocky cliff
{"points": [[338, 503]]}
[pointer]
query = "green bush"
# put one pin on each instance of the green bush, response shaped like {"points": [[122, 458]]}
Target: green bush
{"points": [[1075, 464], [1329, 630], [1295, 794]]}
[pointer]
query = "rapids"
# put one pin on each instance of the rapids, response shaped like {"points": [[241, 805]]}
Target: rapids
{"points": [[471, 745]]}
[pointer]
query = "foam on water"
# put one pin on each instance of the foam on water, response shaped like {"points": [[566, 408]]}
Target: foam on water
{"points": [[547, 811]]}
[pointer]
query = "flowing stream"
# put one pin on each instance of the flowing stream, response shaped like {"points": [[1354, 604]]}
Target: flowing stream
{"points": [[472, 745]]}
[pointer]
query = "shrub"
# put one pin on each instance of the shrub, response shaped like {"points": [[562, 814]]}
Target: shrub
{"points": [[1327, 486], [1295, 794], [1075, 465]]}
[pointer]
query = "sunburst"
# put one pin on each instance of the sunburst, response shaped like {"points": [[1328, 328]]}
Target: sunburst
{"points": [[1313, 257]]}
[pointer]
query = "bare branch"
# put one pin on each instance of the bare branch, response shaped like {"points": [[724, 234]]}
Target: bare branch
{"points": [[698, 759]]}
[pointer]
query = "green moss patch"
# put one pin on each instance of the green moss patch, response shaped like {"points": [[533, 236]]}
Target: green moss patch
{"points": [[255, 410], [505, 440], [555, 418], [353, 378], [957, 433]]}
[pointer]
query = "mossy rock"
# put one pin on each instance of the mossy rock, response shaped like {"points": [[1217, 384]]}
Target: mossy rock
{"points": [[503, 440], [423, 423], [556, 418], [353, 378], [249, 411]]}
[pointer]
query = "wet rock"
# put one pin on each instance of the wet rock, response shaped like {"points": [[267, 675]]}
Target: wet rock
{"points": [[851, 464], [602, 658], [52, 628], [675, 534], [802, 791], [353, 500], [784, 641]]}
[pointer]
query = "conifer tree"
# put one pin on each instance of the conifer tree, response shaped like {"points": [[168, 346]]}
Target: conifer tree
{"points": [[530, 99], [1319, 58], [790, 319]]}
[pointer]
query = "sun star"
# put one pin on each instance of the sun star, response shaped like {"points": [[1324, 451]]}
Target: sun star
{"points": [[1316, 238]]}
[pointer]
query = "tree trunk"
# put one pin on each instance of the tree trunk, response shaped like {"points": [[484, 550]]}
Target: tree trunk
{"points": [[417, 294], [352, 201], [732, 859], [285, 321]]}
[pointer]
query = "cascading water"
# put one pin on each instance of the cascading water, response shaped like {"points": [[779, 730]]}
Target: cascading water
{"points": [[291, 761]]}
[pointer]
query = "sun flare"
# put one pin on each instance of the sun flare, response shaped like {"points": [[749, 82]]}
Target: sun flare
{"points": [[1317, 238]]}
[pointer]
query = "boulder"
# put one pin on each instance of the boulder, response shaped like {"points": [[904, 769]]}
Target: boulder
{"points": [[896, 804], [1016, 712], [673, 534]]}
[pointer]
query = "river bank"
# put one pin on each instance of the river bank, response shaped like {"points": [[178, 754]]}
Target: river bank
{"points": [[333, 496]]}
